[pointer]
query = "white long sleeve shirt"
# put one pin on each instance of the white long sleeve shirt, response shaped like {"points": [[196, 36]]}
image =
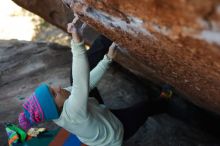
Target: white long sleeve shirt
{"points": [[91, 122]]}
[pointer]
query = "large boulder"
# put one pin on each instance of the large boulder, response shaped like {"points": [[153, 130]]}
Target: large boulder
{"points": [[174, 41]]}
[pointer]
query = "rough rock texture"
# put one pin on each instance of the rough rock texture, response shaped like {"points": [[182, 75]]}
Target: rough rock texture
{"points": [[174, 41], [168, 40]]}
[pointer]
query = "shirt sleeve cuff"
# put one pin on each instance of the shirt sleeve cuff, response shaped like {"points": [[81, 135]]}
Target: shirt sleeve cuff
{"points": [[107, 59], [77, 46]]}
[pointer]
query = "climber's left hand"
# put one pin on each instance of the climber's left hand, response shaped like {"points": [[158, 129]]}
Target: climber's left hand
{"points": [[112, 51]]}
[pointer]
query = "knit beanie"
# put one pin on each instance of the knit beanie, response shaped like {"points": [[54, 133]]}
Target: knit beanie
{"points": [[39, 107]]}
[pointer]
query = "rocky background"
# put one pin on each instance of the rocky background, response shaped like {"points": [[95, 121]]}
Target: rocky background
{"points": [[182, 124]]}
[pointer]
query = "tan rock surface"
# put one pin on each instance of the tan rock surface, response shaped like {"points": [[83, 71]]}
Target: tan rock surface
{"points": [[174, 41]]}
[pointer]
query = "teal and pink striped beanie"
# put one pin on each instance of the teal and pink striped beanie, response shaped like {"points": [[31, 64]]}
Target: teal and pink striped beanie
{"points": [[39, 107]]}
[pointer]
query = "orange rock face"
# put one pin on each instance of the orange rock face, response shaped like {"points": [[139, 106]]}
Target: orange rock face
{"points": [[175, 41]]}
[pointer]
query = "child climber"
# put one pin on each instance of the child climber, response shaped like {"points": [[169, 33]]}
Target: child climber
{"points": [[71, 108]]}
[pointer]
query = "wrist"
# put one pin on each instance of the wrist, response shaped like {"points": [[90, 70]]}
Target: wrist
{"points": [[73, 43], [108, 58], [76, 38], [77, 48]]}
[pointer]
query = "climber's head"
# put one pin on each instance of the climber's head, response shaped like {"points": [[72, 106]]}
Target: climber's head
{"points": [[44, 104]]}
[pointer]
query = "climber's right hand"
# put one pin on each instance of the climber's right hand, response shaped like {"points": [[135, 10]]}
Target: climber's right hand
{"points": [[71, 28]]}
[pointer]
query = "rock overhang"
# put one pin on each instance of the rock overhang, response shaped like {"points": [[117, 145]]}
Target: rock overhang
{"points": [[175, 42]]}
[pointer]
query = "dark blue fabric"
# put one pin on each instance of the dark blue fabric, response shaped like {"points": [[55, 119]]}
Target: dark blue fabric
{"points": [[72, 140], [46, 101], [28, 116]]}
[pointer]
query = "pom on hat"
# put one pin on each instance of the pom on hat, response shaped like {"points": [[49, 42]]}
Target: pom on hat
{"points": [[24, 122]]}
